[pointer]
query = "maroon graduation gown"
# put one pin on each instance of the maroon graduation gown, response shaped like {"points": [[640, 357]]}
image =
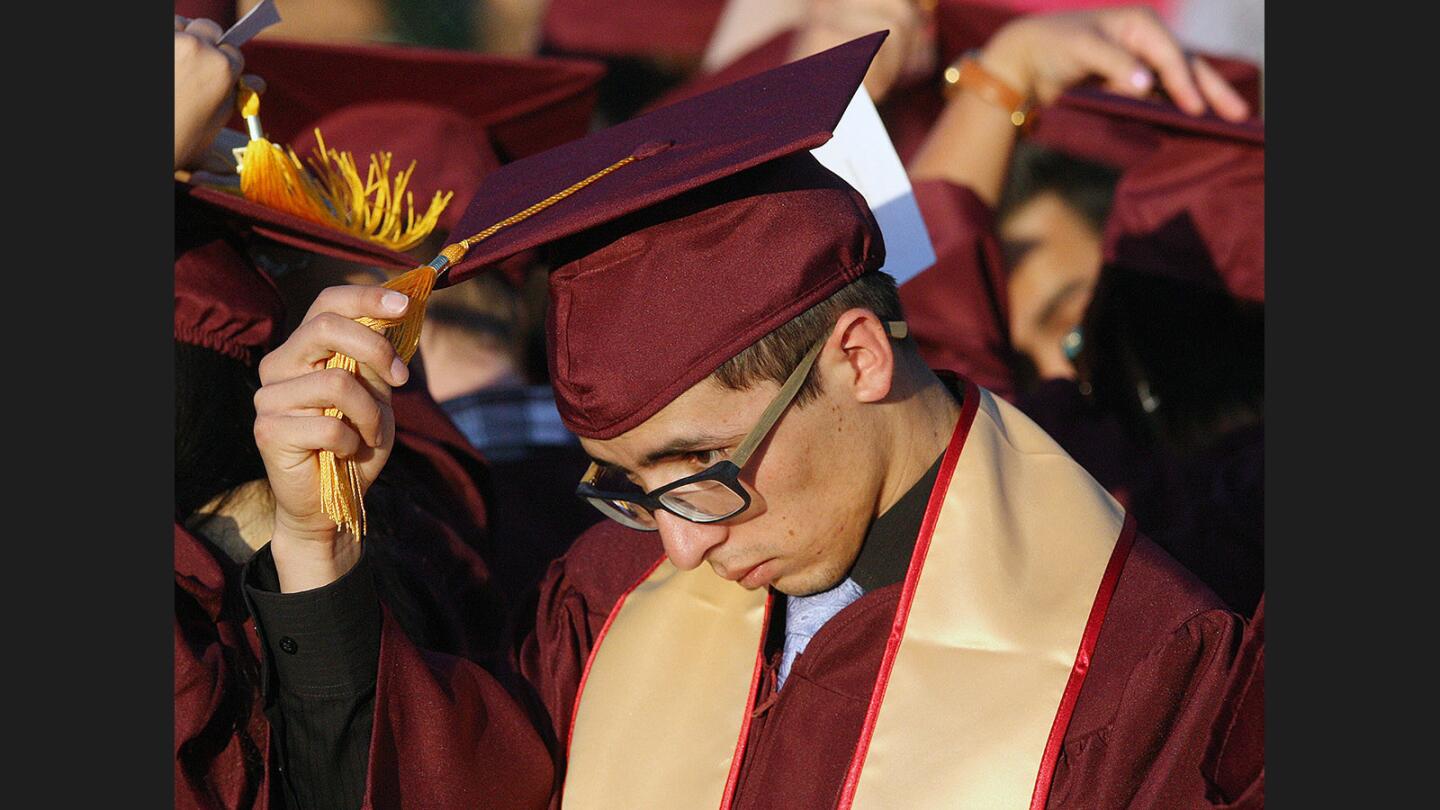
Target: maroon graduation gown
{"points": [[1137, 738], [443, 728], [221, 735]]}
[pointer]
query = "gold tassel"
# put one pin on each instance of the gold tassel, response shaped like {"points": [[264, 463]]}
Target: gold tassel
{"points": [[377, 208], [343, 502], [340, 491]]}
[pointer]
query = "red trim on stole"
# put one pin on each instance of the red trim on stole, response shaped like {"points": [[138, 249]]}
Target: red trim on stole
{"points": [[734, 778], [594, 648], [1082, 664], [907, 595]]}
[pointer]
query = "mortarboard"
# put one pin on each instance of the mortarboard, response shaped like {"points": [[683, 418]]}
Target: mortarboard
{"points": [[512, 107], [715, 207], [1194, 211], [1190, 204]]}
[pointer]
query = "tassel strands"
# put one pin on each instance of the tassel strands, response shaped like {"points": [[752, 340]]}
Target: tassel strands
{"points": [[340, 483], [377, 208]]}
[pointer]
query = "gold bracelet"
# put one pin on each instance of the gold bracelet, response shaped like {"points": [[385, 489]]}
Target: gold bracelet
{"points": [[967, 73]]}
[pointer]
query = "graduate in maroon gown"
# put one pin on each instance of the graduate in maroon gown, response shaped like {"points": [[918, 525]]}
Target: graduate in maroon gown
{"points": [[1198, 495], [842, 579], [226, 314]]}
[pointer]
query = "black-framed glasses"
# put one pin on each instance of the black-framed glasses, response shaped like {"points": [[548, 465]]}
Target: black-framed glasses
{"points": [[715, 493]]}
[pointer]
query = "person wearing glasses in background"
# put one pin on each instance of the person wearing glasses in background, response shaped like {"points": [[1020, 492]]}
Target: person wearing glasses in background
{"points": [[833, 577]]}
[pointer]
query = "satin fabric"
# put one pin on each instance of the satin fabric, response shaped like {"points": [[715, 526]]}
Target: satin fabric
{"points": [[995, 608]]}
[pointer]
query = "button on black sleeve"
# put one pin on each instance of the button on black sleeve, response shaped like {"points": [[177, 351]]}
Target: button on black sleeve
{"points": [[322, 653]]}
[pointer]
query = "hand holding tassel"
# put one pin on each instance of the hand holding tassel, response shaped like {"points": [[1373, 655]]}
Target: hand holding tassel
{"points": [[305, 409]]}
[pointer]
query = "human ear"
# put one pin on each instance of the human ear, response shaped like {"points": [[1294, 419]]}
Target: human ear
{"points": [[862, 358]]}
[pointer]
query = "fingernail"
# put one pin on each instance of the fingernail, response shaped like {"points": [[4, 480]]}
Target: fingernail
{"points": [[1141, 79], [394, 303], [398, 372]]}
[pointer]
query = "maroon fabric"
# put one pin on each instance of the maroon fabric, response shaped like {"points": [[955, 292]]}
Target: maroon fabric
{"points": [[221, 11], [1235, 762], [448, 153], [1194, 211], [682, 147], [525, 105], [767, 56], [222, 301], [1154, 687], [1085, 119], [631, 28], [957, 309], [221, 736], [446, 734], [621, 331]]}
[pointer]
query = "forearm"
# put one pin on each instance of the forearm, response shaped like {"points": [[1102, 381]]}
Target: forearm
{"points": [[305, 564], [971, 141]]}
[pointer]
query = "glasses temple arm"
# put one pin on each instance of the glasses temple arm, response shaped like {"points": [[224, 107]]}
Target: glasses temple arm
{"points": [[897, 329]]}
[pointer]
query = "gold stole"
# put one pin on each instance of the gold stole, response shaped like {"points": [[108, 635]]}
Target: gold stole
{"points": [[1017, 556]]}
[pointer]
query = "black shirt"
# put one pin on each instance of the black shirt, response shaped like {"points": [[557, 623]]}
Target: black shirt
{"points": [[321, 653], [885, 555]]}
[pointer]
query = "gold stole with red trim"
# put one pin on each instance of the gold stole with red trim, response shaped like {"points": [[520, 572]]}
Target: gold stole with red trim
{"points": [[1004, 597]]}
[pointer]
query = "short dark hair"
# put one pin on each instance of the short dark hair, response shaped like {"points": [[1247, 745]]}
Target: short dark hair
{"points": [[777, 354], [1084, 185]]}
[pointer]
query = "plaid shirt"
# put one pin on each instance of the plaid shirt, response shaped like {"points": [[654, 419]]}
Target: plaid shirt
{"points": [[503, 423]]}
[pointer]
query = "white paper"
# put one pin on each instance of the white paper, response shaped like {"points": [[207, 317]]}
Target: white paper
{"points": [[258, 19], [862, 154]]}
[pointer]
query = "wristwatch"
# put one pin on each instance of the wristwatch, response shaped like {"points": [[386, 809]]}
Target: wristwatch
{"points": [[967, 72]]}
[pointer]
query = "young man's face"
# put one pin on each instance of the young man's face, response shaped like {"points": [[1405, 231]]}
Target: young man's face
{"points": [[813, 483], [1057, 261]]}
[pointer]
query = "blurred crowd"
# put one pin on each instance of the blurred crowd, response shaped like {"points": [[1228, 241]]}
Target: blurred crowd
{"points": [[1091, 179]]}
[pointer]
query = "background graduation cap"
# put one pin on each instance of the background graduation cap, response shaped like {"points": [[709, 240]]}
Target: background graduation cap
{"points": [[511, 108], [662, 29], [1190, 203]]}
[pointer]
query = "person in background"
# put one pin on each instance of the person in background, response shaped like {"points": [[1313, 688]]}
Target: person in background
{"points": [[1050, 220]]}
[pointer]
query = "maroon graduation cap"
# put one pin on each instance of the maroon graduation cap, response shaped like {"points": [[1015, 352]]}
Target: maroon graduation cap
{"points": [[1194, 211], [683, 236], [478, 110], [1190, 204], [631, 28]]}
